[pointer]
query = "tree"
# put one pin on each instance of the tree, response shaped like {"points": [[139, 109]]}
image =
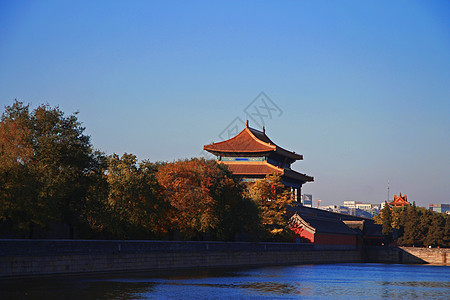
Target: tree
{"points": [[273, 200], [403, 218], [446, 242], [396, 217], [436, 231], [97, 213], [17, 184], [238, 215], [416, 226], [411, 235], [57, 159], [135, 207], [186, 187], [387, 230], [206, 201], [425, 230]]}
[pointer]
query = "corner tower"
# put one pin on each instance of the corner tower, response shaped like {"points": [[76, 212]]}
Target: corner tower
{"points": [[251, 155]]}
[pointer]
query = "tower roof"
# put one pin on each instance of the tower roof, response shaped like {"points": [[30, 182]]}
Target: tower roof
{"points": [[399, 201], [250, 141], [263, 168]]}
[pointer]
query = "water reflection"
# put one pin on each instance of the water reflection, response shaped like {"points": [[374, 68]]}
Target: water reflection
{"points": [[75, 289], [429, 284], [273, 288], [341, 281], [259, 287]]}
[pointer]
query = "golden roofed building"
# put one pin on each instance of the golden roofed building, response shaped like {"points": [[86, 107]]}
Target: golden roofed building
{"points": [[399, 201], [251, 155]]}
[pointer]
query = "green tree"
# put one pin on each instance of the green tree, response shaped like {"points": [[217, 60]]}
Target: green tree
{"points": [[446, 239], [273, 200], [387, 229], [135, 208], [436, 231], [97, 212], [425, 227], [55, 171], [403, 218], [411, 235], [396, 217], [238, 216]]}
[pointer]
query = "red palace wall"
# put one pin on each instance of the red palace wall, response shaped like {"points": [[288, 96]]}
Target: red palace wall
{"points": [[325, 239], [303, 233], [333, 239]]}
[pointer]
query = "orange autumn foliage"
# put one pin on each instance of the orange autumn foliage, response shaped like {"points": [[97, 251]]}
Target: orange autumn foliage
{"points": [[206, 201], [187, 187], [15, 144]]}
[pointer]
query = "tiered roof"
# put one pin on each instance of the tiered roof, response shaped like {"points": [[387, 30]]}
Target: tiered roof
{"points": [[399, 201], [263, 168], [251, 142]]}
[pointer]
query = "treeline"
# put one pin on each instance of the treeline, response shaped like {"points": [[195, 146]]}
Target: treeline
{"points": [[414, 226], [51, 177]]}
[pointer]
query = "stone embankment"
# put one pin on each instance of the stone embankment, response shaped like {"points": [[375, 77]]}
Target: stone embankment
{"points": [[407, 255], [31, 258], [435, 256], [21, 258]]}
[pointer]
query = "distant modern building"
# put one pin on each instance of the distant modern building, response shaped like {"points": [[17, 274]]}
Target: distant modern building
{"points": [[251, 155], [351, 203], [440, 208], [357, 208], [361, 213], [364, 206], [307, 200], [337, 209]]}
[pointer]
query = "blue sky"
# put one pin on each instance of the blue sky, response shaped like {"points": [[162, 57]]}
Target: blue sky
{"points": [[363, 86]]}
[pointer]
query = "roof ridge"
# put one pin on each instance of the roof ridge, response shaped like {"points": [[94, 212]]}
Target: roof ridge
{"points": [[271, 144], [221, 142]]}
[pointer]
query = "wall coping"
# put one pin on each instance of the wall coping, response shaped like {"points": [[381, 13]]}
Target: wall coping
{"points": [[28, 247]]}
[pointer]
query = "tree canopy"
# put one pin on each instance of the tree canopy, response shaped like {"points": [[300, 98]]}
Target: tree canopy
{"points": [[205, 200], [51, 177], [273, 199], [416, 226], [45, 163]]}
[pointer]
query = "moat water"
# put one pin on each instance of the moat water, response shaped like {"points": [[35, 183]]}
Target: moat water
{"points": [[331, 281]]}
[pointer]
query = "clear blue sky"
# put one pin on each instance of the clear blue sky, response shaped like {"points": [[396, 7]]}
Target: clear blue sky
{"points": [[363, 86]]}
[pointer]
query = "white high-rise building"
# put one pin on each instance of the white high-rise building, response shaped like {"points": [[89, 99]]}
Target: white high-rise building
{"points": [[362, 209], [351, 203]]}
